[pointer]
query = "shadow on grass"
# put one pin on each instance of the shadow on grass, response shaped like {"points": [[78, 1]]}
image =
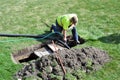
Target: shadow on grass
{"points": [[113, 39]]}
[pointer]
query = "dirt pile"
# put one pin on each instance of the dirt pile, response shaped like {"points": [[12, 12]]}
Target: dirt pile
{"points": [[48, 68]]}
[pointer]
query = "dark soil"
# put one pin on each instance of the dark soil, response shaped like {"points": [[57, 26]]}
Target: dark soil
{"points": [[48, 67]]}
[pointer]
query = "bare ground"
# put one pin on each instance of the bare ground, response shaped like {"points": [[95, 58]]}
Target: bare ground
{"points": [[73, 60]]}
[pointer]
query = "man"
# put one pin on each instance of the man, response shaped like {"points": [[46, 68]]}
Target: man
{"points": [[65, 22]]}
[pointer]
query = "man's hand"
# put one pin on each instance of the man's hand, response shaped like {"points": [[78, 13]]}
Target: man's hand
{"points": [[65, 39]]}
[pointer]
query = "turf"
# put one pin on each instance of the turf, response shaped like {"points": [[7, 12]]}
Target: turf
{"points": [[99, 24]]}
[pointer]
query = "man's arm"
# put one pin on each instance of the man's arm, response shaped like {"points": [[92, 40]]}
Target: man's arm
{"points": [[64, 35], [71, 27]]}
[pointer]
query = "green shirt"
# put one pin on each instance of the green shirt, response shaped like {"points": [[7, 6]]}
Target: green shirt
{"points": [[64, 20]]}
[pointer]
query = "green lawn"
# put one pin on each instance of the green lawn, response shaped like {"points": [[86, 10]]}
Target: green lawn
{"points": [[99, 24]]}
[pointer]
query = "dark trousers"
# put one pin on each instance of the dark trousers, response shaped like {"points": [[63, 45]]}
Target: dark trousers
{"points": [[58, 28]]}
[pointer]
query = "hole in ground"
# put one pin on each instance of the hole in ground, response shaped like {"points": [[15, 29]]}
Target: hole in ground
{"points": [[31, 57], [71, 43]]}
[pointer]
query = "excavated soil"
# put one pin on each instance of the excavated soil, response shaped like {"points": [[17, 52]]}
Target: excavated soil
{"points": [[73, 60]]}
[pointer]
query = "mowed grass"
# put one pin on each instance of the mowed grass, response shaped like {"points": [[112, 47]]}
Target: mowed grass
{"points": [[99, 24]]}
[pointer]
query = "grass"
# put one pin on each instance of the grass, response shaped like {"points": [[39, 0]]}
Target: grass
{"points": [[99, 24]]}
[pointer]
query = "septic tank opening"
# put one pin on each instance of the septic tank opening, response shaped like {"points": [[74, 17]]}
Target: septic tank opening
{"points": [[31, 57]]}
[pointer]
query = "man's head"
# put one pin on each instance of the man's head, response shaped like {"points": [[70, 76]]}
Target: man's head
{"points": [[74, 20]]}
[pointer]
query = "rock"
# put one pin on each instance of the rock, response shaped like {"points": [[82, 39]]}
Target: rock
{"points": [[48, 69]]}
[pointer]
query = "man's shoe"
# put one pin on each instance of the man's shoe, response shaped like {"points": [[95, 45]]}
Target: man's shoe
{"points": [[78, 42]]}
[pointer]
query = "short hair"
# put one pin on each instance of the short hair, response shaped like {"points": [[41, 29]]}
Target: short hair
{"points": [[74, 19]]}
